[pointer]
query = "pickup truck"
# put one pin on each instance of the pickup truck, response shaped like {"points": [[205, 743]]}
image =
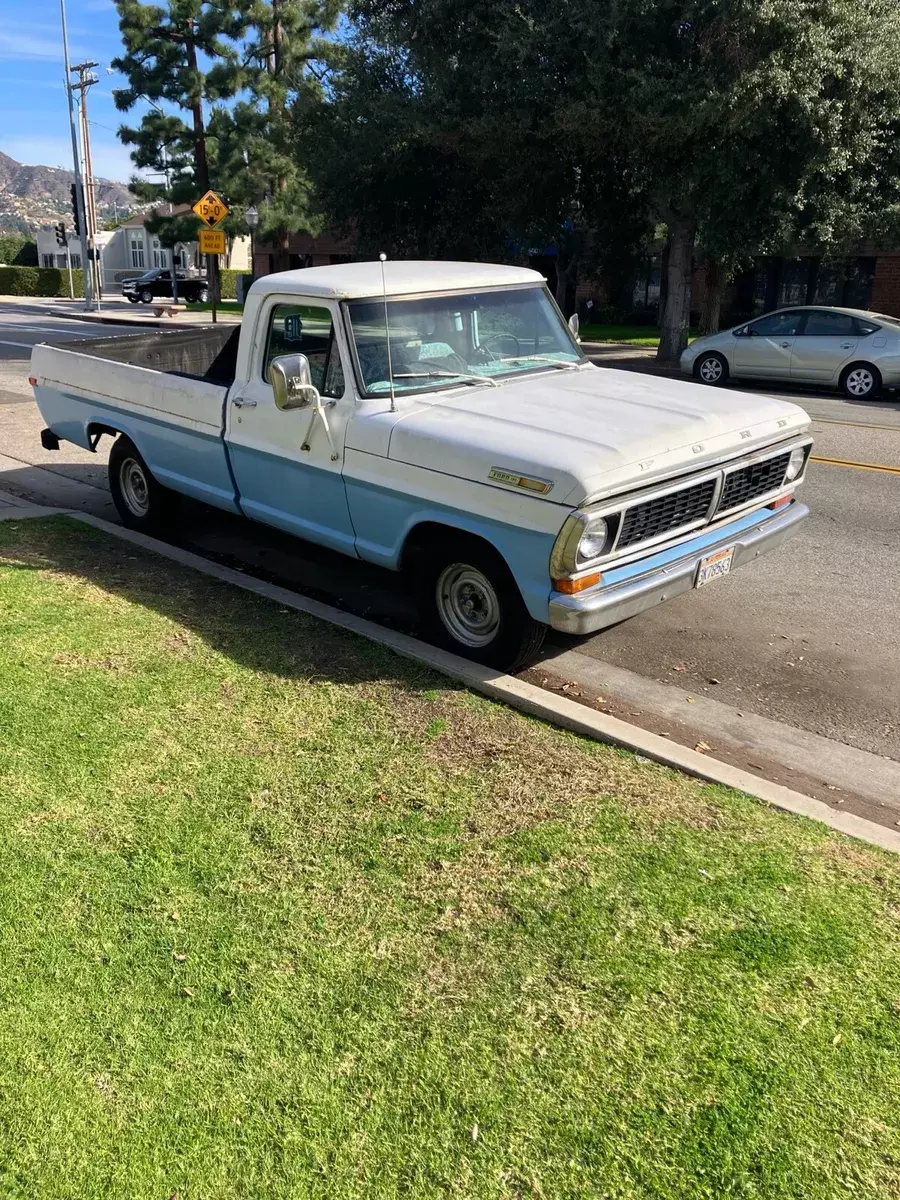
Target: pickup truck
{"points": [[440, 419]]}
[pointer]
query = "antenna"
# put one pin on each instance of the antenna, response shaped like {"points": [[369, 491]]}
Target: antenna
{"points": [[387, 331]]}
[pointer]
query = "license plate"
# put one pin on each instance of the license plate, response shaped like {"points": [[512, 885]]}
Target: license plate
{"points": [[714, 566]]}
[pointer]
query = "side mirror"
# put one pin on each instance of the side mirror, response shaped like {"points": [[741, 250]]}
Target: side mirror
{"points": [[292, 383], [574, 325]]}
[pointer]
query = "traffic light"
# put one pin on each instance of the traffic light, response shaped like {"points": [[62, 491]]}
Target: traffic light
{"points": [[60, 231], [73, 191]]}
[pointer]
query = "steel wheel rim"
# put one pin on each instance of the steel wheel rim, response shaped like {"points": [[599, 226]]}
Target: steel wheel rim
{"points": [[468, 605], [860, 381], [135, 489], [710, 370]]}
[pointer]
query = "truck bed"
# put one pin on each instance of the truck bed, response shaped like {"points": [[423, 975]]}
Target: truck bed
{"points": [[207, 353], [165, 390]]}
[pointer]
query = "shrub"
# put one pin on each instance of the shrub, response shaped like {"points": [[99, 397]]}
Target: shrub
{"points": [[229, 284], [39, 281], [18, 250]]}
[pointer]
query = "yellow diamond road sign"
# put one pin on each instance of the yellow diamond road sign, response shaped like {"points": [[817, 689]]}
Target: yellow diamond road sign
{"points": [[211, 209], [212, 241]]}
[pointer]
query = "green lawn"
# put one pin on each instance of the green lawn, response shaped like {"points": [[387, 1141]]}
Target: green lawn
{"points": [[630, 335], [283, 915]]}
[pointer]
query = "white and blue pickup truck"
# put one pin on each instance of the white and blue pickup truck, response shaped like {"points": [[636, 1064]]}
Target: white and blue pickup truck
{"points": [[440, 419]]}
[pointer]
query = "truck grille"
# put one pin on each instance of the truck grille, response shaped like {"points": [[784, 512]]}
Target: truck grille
{"points": [[747, 483], [666, 513]]}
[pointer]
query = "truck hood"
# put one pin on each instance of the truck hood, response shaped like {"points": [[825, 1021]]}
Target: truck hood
{"points": [[588, 433]]}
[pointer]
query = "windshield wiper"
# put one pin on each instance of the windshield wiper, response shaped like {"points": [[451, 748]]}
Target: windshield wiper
{"points": [[554, 362], [466, 376]]}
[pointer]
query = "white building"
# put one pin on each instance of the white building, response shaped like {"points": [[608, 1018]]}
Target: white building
{"points": [[130, 249]]}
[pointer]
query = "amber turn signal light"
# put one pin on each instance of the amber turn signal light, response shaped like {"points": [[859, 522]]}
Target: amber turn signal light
{"points": [[570, 586], [780, 502]]}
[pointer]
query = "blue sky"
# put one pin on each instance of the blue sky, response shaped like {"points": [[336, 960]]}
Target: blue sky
{"points": [[34, 122]]}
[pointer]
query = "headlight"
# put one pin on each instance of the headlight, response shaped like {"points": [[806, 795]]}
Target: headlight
{"points": [[593, 540], [795, 464]]}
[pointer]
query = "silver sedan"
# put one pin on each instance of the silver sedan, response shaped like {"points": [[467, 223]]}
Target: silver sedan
{"points": [[846, 348]]}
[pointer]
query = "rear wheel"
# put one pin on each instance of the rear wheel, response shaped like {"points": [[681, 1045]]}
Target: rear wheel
{"points": [[861, 381], [203, 295], [470, 604], [142, 503], [711, 368]]}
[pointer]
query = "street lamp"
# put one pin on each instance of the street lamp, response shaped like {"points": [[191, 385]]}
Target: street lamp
{"points": [[251, 220]]}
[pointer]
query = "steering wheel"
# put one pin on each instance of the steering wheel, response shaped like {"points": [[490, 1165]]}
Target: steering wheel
{"points": [[447, 362], [499, 343]]}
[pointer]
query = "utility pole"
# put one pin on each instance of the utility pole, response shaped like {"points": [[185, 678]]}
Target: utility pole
{"points": [[79, 188], [86, 80]]}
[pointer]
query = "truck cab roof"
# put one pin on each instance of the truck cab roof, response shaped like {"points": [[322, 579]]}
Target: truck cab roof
{"points": [[362, 280]]}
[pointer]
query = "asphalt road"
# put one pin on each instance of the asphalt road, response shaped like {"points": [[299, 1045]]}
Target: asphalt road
{"points": [[806, 636], [24, 324]]}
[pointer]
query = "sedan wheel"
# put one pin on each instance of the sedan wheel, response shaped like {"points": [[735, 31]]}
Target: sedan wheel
{"points": [[711, 368], [861, 381]]}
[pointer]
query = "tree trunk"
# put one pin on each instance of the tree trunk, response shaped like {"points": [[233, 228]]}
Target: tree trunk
{"points": [[714, 278], [676, 316], [564, 277]]}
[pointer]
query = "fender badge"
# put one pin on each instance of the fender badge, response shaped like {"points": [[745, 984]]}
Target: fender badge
{"points": [[745, 433], [514, 479], [698, 448], [648, 462]]}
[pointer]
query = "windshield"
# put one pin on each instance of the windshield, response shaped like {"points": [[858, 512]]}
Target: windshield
{"points": [[442, 341]]}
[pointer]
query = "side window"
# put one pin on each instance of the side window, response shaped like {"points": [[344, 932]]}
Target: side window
{"points": [[829, 324], [864, 328], [301, 329], [777, 325]]}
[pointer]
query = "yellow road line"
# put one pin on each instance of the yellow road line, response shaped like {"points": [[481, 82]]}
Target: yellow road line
{"points": [[854, 424], [843, 462]]}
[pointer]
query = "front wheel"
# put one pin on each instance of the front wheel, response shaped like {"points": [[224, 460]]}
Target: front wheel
{"points": [[203, 295], [711, 368], [142, 503], [470, 604], [133, 299], [861, 381], [146, 296]]}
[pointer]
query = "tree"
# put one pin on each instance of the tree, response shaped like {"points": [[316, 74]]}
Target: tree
{"points": [[455, 128], [166, 48], [282, 72], [756, 122]]}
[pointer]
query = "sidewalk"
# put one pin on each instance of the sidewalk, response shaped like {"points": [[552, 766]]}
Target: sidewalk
{"points": [[116, 311]]}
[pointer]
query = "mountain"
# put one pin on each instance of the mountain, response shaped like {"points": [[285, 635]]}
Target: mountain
{"points": [[34, 196]]}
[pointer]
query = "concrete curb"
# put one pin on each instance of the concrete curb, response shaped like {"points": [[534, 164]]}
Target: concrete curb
{"points": [[557, 710], [140, 322]]}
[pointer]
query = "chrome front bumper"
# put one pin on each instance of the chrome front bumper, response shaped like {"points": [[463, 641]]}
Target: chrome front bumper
{"points": [[606, 605]]}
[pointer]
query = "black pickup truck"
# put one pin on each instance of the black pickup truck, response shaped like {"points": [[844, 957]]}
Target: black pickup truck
{"points": [[158, 282]]}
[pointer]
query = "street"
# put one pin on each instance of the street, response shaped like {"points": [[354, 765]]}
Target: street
{"points": [[806, 637]]}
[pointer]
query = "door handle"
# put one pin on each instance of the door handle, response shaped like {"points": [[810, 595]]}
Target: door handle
{"points": [[846, 345], [243, 402], [785, 345]]}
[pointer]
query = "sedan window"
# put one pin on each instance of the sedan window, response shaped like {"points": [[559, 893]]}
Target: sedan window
{"points": [[821, 323], [783, 324], [864, 328]]}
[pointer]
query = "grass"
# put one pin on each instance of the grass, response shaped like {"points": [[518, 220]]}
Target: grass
{"points": [[282, 915], [629, 335], [224, 306]]}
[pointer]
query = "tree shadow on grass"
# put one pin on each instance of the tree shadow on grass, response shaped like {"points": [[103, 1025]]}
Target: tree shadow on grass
{"points": [[251, 630]]}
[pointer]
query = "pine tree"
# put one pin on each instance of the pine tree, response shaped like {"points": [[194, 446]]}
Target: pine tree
{"points": [[166, 47], [283, 75]]}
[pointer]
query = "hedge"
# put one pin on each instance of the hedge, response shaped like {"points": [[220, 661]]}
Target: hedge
{"points": [[39, 281], [18, 250], [229, 284]]}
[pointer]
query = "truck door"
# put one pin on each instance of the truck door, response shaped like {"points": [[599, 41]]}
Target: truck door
{"points": [[288, 465]]}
